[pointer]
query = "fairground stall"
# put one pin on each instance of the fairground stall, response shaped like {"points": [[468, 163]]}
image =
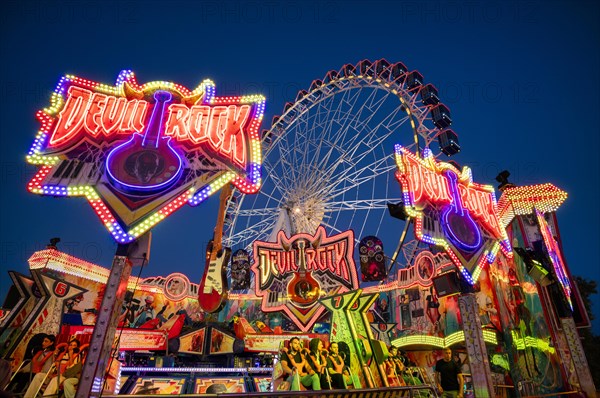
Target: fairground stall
{"points": [[341, 223]]}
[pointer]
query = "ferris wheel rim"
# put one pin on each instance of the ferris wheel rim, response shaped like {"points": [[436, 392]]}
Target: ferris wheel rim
{"points": [[336, 84]]}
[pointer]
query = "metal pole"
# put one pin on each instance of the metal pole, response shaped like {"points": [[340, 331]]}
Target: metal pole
{"points": [[400, 244], [479, 363], [580, 363], [98, 357]]}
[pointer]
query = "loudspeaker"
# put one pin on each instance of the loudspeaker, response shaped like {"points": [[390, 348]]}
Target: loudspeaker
{"points": [[397, 210], [380, 351], [139, 251], [535, 269], [540, 275], [446, 284]]}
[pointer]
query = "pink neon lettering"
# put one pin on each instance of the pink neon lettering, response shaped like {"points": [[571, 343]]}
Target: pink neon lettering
{"points": [[331, 258], [97, 113], [341, 265], [114, 112], [199, 116], [221, 126], [177, 122], [481, 206], [233, 136], [426, 184], [137, 119], [216, 127], [93, 116], [71, 117], [311, 260]]}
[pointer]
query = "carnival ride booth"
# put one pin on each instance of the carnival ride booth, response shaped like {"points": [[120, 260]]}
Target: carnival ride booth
{"points": [[167, 343], [163, 337]]}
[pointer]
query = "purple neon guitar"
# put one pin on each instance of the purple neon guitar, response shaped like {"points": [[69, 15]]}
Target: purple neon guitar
{"points": [[148, 163], [457, 223]]}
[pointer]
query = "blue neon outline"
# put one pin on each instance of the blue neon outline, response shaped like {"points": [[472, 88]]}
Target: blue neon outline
{"points": [[446, 211], [148, 188], [162, 114], [145, 187]]}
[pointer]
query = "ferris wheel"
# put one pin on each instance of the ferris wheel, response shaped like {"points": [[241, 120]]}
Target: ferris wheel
{"points": [[328, 159]]}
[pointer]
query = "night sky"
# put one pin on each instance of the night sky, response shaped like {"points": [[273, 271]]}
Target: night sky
{"points": [[520, 78]]}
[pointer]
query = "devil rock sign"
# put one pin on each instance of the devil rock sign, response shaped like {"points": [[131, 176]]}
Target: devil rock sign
{"points": [[139, 152], [294, 273], [451, 211]]}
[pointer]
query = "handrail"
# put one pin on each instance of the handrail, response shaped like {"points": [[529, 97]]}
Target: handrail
{"points": [[390, 392], [554, 394]]}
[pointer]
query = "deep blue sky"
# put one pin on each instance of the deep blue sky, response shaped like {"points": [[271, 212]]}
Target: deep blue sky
{"points": [[521, 80]]}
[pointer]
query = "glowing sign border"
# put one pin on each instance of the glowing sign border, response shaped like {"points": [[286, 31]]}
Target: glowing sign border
{"points": [[555, 255], [414, 208], [518, 201], [193, 196], [316, 310]]}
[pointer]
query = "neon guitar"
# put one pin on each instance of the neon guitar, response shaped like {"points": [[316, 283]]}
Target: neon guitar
{"points": [[212, 291], [457, 223], [303, 289], [146, 163]]}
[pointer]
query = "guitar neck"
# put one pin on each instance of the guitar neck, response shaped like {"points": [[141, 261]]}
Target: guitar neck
{"points": [[301, 257], [452, 182], [218, 235], [156, 125]]}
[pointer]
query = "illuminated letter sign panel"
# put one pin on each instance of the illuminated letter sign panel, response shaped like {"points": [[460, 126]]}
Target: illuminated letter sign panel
{"points": [[294, 273], [555, 255], [451, 211], [138, 152]]}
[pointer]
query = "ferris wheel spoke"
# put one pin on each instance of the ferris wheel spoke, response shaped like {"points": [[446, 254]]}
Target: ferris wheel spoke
{"points": [[349, 116], [359, 204], [267, 211], [358, 177], [318, 141], [260, 227], [367, 150], [375, 169], [376, 141], [271, 196]]}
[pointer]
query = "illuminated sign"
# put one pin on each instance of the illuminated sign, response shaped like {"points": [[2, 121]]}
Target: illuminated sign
{"points": [[517, 201], [555, 255], [451, 211], [441, 342], [294, 273], [140, 152]]}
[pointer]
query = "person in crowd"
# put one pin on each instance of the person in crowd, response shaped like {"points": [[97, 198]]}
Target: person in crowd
{"points": [[317, 358], [394, 368], [340, 377], [448, 376], [69, 367], [294, 364], [5, 374], [40, 365]]}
